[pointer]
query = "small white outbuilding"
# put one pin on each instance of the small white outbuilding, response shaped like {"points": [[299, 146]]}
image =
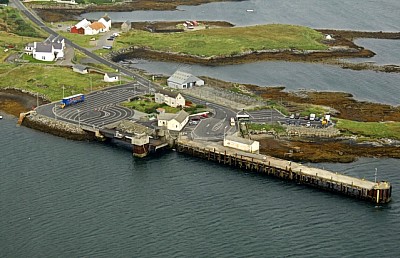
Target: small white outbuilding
{"points": [[242, 144]]}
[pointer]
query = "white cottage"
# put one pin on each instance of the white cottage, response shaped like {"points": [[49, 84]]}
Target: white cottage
{"points": [[49, 50], [44, 52], [95, 28], [183, 80], [106, 21], [173, 122], [111, 77], [172, 99], [242, 144]]}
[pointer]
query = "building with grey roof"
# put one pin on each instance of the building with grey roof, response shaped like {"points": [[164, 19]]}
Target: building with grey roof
{"points": [[183, 80], [173, 122]]}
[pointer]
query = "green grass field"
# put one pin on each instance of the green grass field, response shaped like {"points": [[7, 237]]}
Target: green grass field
{"points": [[47, 81], [226, 41], [373, 130]]}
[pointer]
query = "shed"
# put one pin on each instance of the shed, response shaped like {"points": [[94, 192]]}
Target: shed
{"points": [[173, 122], [183, 80], [111, 77], [78, 68], [242, 144], [126, 26]]}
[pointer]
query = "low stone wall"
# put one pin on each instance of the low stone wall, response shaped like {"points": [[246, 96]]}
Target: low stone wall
{"points": [[56, 127]]}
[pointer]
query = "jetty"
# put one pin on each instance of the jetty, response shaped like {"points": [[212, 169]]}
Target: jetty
{"points": [[376, 192]]}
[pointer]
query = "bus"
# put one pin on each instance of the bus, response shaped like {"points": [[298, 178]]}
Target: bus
{"points": [[243, 117], [67, 101]]}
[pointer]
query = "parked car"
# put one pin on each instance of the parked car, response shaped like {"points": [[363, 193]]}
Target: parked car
{"points": [[291, 116], [308, 124], [110, 38], [107, 47], [297, 116], [306, 117]]}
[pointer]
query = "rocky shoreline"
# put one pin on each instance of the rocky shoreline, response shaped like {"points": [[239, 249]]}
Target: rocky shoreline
{"points": [[304, 149], [14, 101], [341, 47], [56, 127]]}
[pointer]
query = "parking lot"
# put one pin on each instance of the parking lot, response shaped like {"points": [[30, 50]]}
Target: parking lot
{"points": [[100, 108]]}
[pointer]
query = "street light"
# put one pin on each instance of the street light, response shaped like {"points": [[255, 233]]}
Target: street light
{"points": [[55, 115]]}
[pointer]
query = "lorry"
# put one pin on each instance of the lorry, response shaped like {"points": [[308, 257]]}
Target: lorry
{"points": [[67, 101]]}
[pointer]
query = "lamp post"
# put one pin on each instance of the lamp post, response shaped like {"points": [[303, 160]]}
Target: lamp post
{"points": [[55, 115], [63, 88]]}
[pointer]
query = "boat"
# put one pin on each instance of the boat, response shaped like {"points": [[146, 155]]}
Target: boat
{"points": [[1, 117], [250, 10]]}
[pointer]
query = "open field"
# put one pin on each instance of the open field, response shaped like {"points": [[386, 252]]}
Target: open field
{"points": [[16, 32], [46, 80], [227, 41], [373, 130]]}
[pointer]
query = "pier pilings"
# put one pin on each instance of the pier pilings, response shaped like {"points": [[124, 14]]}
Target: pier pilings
{"points": [[379, 192]]}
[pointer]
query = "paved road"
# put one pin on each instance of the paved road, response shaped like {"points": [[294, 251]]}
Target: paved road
{"points": [[213, 128]]}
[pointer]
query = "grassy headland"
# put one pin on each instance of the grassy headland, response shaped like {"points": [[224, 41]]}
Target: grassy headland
{"points": [[46, 80], [374, 130], [227, 41]]}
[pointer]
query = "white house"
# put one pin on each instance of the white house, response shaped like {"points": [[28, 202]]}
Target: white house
{"points": [[49, 50], [95, 28], [242, 144], [111, 77], [172, 99], [43, 52], [106, 21], [173, 122], [183, 80]]}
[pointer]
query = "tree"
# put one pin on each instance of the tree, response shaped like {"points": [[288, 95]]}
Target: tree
{"points": [[4, 2]]}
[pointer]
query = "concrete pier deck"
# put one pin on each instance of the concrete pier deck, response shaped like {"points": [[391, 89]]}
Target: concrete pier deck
{"points": [[379, 192]]}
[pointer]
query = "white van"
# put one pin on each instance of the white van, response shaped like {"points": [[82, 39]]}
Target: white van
{"points": [[107, 47], [312, 117]]}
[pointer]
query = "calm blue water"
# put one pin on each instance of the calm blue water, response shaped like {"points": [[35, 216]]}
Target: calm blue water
{"points": [[387, 51], [61, 198], [335, 14]]}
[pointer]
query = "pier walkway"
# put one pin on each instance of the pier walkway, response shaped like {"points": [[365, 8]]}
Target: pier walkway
{"points": [[379, 192]]}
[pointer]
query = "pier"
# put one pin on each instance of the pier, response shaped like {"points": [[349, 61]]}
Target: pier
{"points": [[376, 192]]}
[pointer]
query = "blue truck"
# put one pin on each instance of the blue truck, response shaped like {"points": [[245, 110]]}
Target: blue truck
{"points": [[67, 101]]}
